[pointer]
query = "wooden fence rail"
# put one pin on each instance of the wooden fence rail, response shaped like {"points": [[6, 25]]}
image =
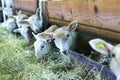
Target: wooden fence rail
{"points": [[100, 17]]}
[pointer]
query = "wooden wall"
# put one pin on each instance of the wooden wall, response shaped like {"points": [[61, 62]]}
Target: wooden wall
{"points": [[26, 5], [101, 17]]}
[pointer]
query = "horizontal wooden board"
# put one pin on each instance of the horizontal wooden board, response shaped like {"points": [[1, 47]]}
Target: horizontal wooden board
{"points": [[109, 35], [103, 14], [27, 5]]}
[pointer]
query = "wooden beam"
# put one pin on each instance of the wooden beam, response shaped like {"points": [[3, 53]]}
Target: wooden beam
{"points": [[97, 15], [27, 5], [98, 32], [103, 14]]}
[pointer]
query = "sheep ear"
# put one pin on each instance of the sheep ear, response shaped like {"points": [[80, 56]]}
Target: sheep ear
{"points": [[101, 46], [24, 22], [35, 35], [17, 30], [43, 36], [12, 17], [19, 12], [46, 35], [38, 13], [72, 26]]}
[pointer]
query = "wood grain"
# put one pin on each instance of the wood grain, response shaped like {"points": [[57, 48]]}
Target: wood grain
{"points": [[98, 32], [27, 5], [104, 14]]}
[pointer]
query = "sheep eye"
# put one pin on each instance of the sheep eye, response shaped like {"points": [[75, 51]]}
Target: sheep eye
{"points": [[42, 47], [20, 26], [53, 39], [68, 35], [113, 55], [48, 40], [15, 20]]}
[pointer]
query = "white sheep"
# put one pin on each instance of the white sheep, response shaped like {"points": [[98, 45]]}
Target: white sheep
{"points": [[65, 37], [25, 30], [11, 24], [43, 42], [8, 11], [36, 21], [50, 30], [9, 3], [19, 18], [106, 48]]}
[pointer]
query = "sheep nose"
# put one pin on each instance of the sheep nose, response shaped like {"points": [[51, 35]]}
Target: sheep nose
{"points": [[42, 46], [64, 52], [15, 20], [36, 31]]}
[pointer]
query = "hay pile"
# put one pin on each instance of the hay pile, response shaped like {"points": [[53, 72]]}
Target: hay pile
{"points": [[17, 62]]}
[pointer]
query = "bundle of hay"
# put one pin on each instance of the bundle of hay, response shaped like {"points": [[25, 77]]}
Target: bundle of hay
{"points": [[17, 62]]}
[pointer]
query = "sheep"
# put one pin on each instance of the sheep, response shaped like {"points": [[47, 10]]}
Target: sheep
{"points": [[25, 31], [8, 11], [42, 48], [43, 43], [36, 21], [19, 18], [65, 37], [50, 30], [9, 3], [13, 21], [11, 24], [104, 47]]}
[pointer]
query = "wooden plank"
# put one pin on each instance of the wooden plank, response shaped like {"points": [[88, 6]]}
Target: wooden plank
{"points": [[103, 14], [107, 34], [27, 5]]}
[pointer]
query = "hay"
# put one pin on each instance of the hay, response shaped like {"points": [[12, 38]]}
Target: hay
{"points": [[17, 62]]}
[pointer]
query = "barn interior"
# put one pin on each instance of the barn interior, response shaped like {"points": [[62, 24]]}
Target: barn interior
{"points": [[97, 19]]}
